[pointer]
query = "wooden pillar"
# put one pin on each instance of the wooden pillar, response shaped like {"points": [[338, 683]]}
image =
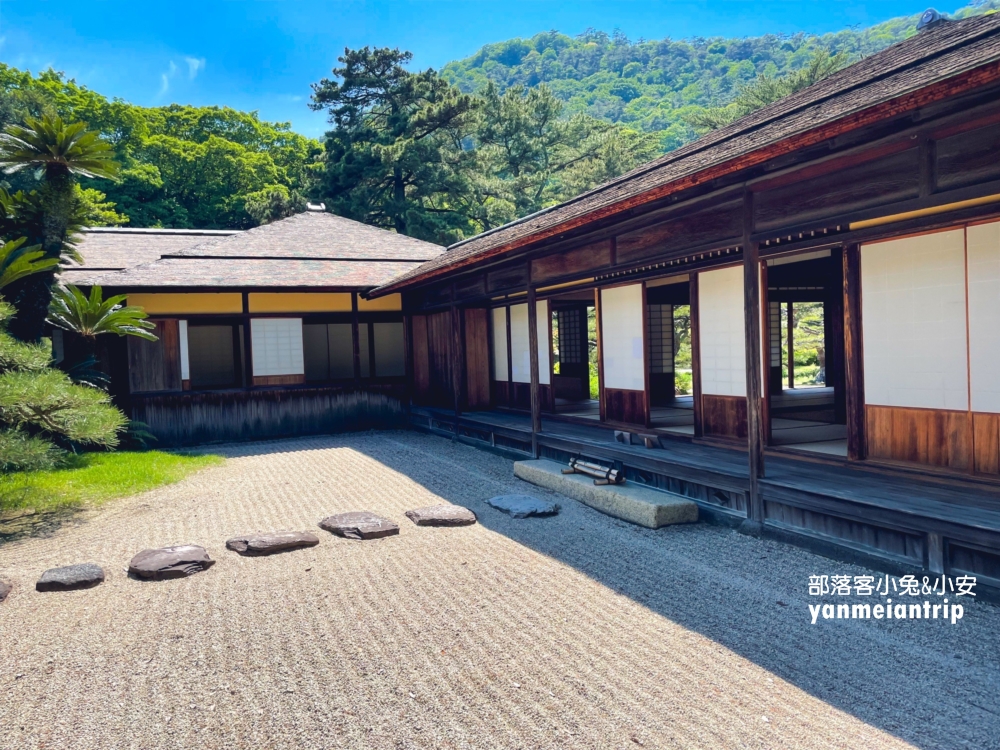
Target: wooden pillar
{"points": [[751, 318], [600, 353], [835, 349], [247, 344], [765, 355], [790, 345], [853, 355], [699, 422], [536, 403], [355, 338], [457, 357]]}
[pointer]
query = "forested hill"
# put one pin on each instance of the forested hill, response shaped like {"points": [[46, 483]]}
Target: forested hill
{"points": [[658, 85]]}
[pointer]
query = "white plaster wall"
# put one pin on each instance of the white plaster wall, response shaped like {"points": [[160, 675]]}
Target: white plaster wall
{"points": [[277, 346], [983, 242], [622, 344], [913, 321], [499, 321], [519, 349], [182, 334], [721, 332]]}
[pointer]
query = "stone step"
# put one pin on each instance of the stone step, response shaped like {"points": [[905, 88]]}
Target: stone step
{"points": [[629, 502]]}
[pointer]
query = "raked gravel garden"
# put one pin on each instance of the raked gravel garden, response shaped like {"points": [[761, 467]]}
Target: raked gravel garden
{"points": [[574, 630]]}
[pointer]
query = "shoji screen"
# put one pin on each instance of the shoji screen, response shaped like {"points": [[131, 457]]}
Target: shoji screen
{"points": [[622, 345], [913, 322], [984, 316], [499, 321], [277, 346], [519, 350], [721, 333]]}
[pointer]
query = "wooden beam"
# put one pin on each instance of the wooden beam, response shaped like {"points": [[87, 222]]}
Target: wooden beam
{"points": [[457, 355], [355, 338], [699, 422], [765, 354], [854, 354], [751, 316], [790, 343], [600, 353], [536, 403], [247, 344]]}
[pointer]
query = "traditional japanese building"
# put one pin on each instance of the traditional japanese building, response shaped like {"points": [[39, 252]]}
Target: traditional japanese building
{"points": [[867, 205]]}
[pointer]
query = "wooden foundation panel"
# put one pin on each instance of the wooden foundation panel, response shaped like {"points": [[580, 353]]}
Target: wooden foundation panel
{"points": [[278, 379], [621, 405], [933, 437], [986, 442], [477, 358], [724, 416]]}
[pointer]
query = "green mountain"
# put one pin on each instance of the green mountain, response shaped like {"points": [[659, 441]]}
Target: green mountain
{"points": [[657, 85]]}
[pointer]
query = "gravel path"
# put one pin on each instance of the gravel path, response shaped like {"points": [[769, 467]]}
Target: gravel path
{"points": [[576, 631]]}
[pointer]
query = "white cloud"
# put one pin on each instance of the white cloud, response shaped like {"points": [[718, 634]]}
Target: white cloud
{"points": [[165, 78], [195, 66]]}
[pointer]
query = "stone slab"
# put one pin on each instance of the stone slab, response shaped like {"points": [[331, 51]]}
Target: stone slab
{"points": [[523, 506], [629, 502], [170, 562], [359, 525], [442, 515], [5, 589], [70, 578], [270, 543]]}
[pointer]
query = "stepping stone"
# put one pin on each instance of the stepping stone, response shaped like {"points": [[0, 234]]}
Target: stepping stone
{"points": [[442, 515], [170, 562], [268, 544], [359, 525], [522, 506], [71, 577], [5, 589]]}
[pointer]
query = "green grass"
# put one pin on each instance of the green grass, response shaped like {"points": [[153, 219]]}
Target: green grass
{"points": [[93, 478]]}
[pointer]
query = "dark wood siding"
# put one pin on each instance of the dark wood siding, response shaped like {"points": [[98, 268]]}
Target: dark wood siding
{"points": [[724, 416], [155, 365], [580, 261], [967, 158], [625, 406], [477, 358], [718, 224], [934, 437], [421, 360], [853, 187], [986, 439]]}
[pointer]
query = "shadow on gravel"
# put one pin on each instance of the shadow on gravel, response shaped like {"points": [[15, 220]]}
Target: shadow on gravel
{"points": [[930, 684], [24, 524]]}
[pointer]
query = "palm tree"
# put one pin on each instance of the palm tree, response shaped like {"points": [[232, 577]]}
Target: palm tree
{"points": [[91, 316], [59, 153], [18, 261]]}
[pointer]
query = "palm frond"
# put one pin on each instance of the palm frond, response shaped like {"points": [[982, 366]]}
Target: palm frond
{"points": [[91, 316], [48, 144], [18, 261]]}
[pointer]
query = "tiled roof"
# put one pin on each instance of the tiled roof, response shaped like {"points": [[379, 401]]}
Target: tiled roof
{"points": [[257, 272], [117, 248], [933, 55], [312, 249], [317, 234]]}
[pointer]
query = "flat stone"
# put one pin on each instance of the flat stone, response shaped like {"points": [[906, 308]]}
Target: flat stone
{"points": [[359, 525], [442, 515], [71, 577], [5, 589], [268, 544], [634, 503], [522, 506], [170, 562]]}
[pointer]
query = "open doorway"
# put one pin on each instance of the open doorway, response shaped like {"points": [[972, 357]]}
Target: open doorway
{"points": [[574, 355], [668, 337], [805, 389]]}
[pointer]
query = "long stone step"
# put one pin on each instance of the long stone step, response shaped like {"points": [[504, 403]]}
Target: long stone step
{"points": [[629, 502]]}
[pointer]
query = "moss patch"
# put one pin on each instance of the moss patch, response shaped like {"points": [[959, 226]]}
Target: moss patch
{"points": [[93, 478]]}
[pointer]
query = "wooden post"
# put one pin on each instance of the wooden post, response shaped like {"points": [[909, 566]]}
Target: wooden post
{"points": [[790, 345], [765, 355], [699, 422], [751, 317], [355, 338], [247, 344], [536, 404], [457, 355], [600, 353], [854, 355]]}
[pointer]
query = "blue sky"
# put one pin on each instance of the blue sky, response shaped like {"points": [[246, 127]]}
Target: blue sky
{"points": [[253, 54]]}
